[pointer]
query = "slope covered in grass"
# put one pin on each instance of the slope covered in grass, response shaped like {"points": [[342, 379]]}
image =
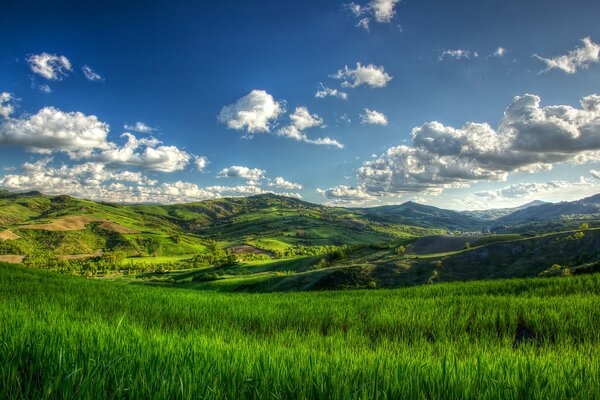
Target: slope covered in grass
{"points": [[66, 337]]}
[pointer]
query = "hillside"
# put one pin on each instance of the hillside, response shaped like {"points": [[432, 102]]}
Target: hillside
{"points": [[568, 213], [496, 213], [411, 213], [42, 227], [270, 242]]}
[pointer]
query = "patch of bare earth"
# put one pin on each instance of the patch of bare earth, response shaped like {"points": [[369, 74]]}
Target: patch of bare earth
{"points": [[246, 249], [12, 259], [8, 235], [80, 256], [77, 223], [111, 226]]}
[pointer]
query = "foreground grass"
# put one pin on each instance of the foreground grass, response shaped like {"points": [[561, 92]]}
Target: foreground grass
{"points": [[66, 337]]}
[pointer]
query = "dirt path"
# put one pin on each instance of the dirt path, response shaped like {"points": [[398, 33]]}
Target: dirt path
{"points": [[77, 223], [8, 235], [13, 259]]}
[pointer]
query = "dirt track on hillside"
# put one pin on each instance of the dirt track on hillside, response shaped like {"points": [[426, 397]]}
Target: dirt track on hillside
{"points": [[77, 223], [8, 235]]}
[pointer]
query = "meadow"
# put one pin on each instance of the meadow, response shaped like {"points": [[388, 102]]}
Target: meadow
{"points": [[66, 336]]}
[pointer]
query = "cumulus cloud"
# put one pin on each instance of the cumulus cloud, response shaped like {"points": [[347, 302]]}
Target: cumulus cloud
{"points": [[370, 75], [373, 117], [201, 162], [328, 92], [595, 173], [458, 54], [280, 182], [529, 138], [500, 52], [85, 136], [521, 190], [91, 75], [252, 175], [51, 129], [343, 194], [253, 113], [50, 66], [146, 153], [6, 107], [301, 119], [383, 11], [577, 59], [140, 127], [245, 190]]}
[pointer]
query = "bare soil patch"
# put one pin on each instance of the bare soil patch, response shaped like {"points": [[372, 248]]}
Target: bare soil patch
{"points": [[13, 259], [246, 249], [111, 226], [77, 223], [8, 235], [80, 256]]}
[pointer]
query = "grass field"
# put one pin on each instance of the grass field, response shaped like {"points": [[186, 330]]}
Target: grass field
{"points": [[66, 337]]}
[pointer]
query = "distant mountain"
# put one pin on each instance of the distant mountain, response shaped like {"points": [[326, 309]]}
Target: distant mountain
{"points": [[496, 213], [416, 214], [552, 211]]}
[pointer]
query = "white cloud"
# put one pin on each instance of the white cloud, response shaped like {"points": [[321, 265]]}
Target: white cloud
{"points": [[44, 88], [50, 66], [280, 182], [252, 175], [302, 119], [458, 54], [53, 130], [343, 194], [253, 112], [85, 136], [595, 173], [201, 162], [577, 59], [146, 153], [521, 190], [373, 117], [140, 127], [6, 108], [519, 193], [91, 75], [529, 138], [328, 92], [383, 11], [370, 75], [500, 52], [364, 23], [245, 190]]}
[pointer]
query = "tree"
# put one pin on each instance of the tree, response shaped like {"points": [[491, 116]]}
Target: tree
{"points": [[467, 245], [584, 227], [400, 250]]}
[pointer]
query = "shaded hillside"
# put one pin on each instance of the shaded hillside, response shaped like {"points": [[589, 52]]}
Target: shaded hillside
{"points": [[411, 213], [496, 213], [551, 212]]}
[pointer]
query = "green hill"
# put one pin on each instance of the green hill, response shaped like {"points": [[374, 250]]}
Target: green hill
{"points": [[63, 226]]}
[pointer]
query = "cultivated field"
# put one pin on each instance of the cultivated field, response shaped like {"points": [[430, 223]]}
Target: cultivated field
{"points": [[66, 337]]}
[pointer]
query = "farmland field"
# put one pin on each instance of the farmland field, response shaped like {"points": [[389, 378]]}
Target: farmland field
{"points": [[65, 337]]}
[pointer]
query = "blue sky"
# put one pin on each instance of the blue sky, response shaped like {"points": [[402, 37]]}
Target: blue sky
{"points": [[229, 91]]}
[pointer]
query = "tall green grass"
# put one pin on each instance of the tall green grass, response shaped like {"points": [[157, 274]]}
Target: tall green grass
{"points": [[69, 337]]}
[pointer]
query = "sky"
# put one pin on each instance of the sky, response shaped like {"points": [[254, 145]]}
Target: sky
{"points": [[461, 105]]}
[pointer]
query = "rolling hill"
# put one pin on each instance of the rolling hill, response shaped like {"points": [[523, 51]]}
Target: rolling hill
{"points": [[416, 214]]}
